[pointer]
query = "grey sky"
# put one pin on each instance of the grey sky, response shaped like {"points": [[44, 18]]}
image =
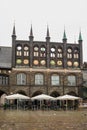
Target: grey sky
{"points": [[55, 13]]}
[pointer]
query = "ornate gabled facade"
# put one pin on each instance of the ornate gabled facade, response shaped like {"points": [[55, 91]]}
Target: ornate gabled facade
{"points": [[37, 67]]}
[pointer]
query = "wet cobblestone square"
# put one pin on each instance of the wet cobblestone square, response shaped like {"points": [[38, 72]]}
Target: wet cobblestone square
{"points": [[43, 120]]}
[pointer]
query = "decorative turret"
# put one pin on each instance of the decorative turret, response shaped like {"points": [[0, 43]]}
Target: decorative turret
{"points": [[80, 49], [13, 46], [14, 33], [31, 34], [80, 37], [48, 35], [64, 37]]}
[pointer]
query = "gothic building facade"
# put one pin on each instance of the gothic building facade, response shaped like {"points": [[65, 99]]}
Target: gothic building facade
{"points": [[34, 67]]}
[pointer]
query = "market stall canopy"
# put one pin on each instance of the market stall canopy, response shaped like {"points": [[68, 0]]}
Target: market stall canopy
{"points": [[43, 97], [17, 96], [67, 97]]}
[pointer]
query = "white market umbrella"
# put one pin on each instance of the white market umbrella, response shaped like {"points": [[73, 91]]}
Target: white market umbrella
{"points": [[67, 97], [43, 97], [17, 96]]}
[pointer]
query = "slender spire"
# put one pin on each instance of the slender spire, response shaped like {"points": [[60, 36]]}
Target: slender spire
{"points": [[64, 36], [47, 31], [80, 36], [14, 32], [31, 33], [48, 35]]}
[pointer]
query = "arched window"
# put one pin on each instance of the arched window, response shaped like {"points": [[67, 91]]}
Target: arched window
{"points": [[26, 50], [21, 79], [59, 54], [42, 51], [71, 80], [55, 80], [52, 53], [76, 53], [69, 53], [19, 50], [36, 51], [4, 80], [39, 79]]}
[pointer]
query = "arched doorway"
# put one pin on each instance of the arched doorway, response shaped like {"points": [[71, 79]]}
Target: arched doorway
{"points": [[54, 94]]}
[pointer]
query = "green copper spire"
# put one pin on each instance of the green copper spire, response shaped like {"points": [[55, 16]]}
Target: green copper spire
{"points": [[48, 35], [31, 34], [48, 31], [31, 31], [64, 35], [14, 32], [80, 36]]}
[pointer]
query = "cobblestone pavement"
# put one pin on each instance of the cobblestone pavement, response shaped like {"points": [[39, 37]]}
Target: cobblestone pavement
{"points": [[43, 120]]}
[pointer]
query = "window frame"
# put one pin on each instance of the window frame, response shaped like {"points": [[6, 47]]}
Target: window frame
{"points": [[71, 82], [41, 78], [21, 78], [55, 82]]}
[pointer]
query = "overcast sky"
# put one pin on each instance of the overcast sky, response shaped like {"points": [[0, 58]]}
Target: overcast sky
{"points": [[56, 13]]}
